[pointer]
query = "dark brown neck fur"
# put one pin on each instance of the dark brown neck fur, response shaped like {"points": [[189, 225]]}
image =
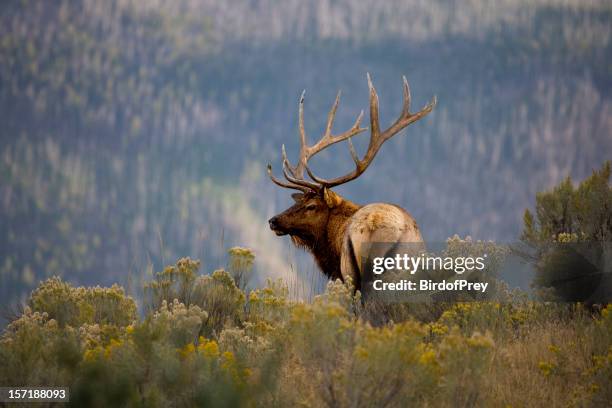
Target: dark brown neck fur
{"points": [[328, 247]]}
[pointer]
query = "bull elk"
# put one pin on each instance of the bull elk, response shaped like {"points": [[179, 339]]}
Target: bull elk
{"points": [[335, 230]]}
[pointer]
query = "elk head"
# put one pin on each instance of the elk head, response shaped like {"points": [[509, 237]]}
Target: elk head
{"points": [[319, 216], [308, 217]]}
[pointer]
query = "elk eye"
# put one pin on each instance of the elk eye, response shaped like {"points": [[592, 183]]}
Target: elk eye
{"points": [[311, 207]]}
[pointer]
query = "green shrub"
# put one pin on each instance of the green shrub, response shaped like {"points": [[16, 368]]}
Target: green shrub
{"points": [[217, 351], [221, 298], [241, 265], [569, 239], [76, 306], [217, 293], [174, 282]]}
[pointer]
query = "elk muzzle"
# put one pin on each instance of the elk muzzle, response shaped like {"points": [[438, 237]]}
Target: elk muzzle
{"points": [[275, 226]]}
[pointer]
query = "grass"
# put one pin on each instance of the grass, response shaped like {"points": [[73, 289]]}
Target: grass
{"points": [[203, 341]]}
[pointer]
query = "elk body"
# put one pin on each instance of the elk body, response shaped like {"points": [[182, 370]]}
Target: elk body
{"points": [[339, 233]]}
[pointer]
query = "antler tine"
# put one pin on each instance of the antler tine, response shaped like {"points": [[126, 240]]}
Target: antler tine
{"points": [[377, 138], [286, 160], [300, 182], [298, 170], [314, 177], [407, 97], [282, 183], [353, 152], [296, 173], [374, 123], [294, 170], [328, 139], [301, 114], [331, 116]]}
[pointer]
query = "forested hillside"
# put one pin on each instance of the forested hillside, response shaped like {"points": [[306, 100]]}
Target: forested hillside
{"points": [[135, 133]]}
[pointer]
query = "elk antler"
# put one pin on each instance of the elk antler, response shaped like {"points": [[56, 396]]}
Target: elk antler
{"points": [[295, 174]]}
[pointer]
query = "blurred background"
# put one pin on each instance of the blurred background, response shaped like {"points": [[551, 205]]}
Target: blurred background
{"points": [[133, 133]]}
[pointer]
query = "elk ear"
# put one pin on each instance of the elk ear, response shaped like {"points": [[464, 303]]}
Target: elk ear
{"points": [[331, 199], [297, 197]]}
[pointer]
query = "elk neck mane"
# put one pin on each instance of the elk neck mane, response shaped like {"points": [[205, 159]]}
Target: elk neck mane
{"points": [[327, 248]]}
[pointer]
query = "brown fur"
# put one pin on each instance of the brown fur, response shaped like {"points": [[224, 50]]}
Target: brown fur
{"points": [[320, 231], [337, 231]]}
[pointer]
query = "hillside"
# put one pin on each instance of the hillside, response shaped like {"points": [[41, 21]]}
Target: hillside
{"points": [[133, 134]]}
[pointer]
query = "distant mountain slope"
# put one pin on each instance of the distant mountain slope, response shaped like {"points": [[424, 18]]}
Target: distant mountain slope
{"points": [[135, 133]]}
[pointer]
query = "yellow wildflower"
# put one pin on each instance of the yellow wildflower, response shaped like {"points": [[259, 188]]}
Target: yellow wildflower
{"points": [[361, 352], [478, 340], [428, 358], [210, 348], [438, 329], [228, 358], [546, 368], [108, 350], [92, 354], [606, 311], [186, 351]]}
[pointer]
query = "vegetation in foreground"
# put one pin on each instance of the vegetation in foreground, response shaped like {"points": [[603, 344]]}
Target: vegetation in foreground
{"points": [[203, 341]]}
